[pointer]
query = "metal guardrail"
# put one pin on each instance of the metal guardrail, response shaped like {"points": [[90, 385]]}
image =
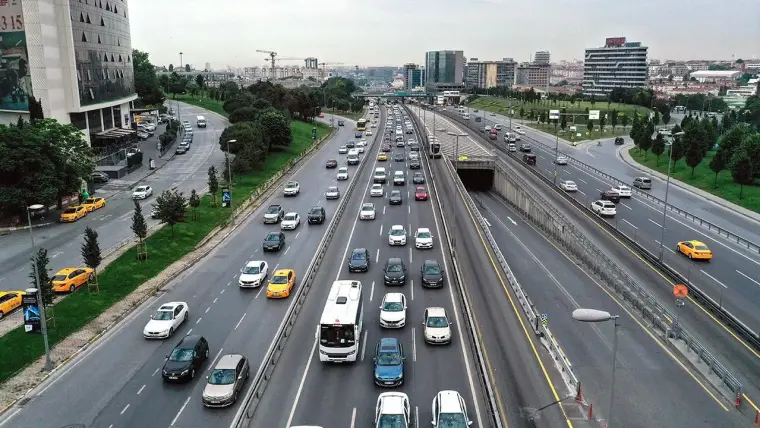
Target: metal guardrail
{"points": [[484, 378], [272, 356]]}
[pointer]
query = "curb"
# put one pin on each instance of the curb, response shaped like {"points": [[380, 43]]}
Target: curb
{"points": [[15, 228], [622, 153]]}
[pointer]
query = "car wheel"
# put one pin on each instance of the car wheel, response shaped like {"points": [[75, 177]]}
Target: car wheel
{"points": [[72, 289], [171, 331], [206, 354], [1, 315], [192, 374], [234, 396], [186, 315], [690, 256], [678, 249]]}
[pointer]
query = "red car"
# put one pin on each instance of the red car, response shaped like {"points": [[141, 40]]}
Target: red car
{"points": [[321, 115], [420, 194], [387, 148], [332, 163]]}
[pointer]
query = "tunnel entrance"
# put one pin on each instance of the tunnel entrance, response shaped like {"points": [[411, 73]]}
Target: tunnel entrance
{"points": [[477, 179]]}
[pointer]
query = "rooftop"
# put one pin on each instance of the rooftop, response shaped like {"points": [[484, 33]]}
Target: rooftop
{"points": [[716, 73]]}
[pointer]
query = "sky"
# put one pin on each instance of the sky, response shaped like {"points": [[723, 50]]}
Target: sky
{"points": [[393, 32]]}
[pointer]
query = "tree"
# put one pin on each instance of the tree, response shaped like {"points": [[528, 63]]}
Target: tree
{"points": [[171, 68], [213, 183], [602, 122], [200, 81], [187, 68], [614, 119], [666, 117], [717, 164], [147, 84], [91, 256], [41, 262], [177, 84], [694, 153], [645, 144], [677, 150], [731, 140], [276, 127], [741, 170], [140, 229], [656, 118], [563, 121], [590, 125], [195, 202], [658, 147], [522, 113], [35, 109], [244, 114], [193, 88], [625, 120], [243, 134], [171, 207]]}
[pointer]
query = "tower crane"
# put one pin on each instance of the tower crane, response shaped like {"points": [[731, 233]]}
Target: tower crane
{"points": [[273, 60], [323, 64]]}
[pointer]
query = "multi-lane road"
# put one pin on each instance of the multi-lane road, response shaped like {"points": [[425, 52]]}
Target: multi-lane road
{"points": [[63, 241], [117, 383]]}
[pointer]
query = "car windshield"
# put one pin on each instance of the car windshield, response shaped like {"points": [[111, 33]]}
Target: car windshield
{"points": [[332, 189], [395, 267], [570, 183], [181, 355], [59, 278], [395, 193], [451, 420], [393, 307], [163, 315], [391, 421], [388, 359], [273, 210], [279, 279], [315, 210], [420, 190], [140, 189], [70, 210], [343, 170], [273, 237], [290, 217], [368, 207], [701, 248], [251, 270], [432, 269], [398, 232], [437, 322], [358, 256], [221, 377], [423, 235], [291, 185]]}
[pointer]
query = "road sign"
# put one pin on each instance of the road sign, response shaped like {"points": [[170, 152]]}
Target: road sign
{"points": [[554, 114], [593, 115], [544, 319], [680, 291], [680, 302]]}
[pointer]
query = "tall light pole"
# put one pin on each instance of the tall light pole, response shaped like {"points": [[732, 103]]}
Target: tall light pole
{"points": [[456, 149], [40, 302], [594, 315], [667, 188], [180, 60], [229, 161]]}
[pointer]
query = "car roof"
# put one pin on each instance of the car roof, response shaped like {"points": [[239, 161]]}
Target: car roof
{"points": [[359, 250], [393, 402], [368, 204], [436, 311], [389, 342], [420, 187], [397, 227], [395, 192], [273, 233], [423, 229], [393, 297], [395, 261], [169, 306], [254, 263], [189, 341], [283, 272], [430, 262], [66, 271], [449, 402], [291, 213], [228, 362], [695, 242], [292, 182]]}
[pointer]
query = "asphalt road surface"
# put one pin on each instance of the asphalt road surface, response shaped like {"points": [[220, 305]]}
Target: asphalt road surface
{"points": [[63, 241], [117, 383], [652, 388], [304, 390]]}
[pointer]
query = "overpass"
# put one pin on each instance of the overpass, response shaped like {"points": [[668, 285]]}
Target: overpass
{"points": [[398, 94]]}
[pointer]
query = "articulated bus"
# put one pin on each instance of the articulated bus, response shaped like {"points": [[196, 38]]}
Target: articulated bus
{"points": [[361, 124], [340, 327]]}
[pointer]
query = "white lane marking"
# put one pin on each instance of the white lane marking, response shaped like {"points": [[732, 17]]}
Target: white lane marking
{"points": [[414, 345], [174, 421], [410, 255], [286, 251], [21, 269], [234, 276], [381, 230], [238, 323], [383, 209], [297, 235], [581, 180], [417, 416], [222, 292], [140, 390], [654, 223], [156, 371], [199, 320], [630, 224], [372, 291], [626, 206], [487, 222], [581, 192], [665, 247], [411, 288], [747, 276], [207, 309], [188, 332], [215, 299], [353, 418], [261, 288], [377, 256], [210, 366], [303, 381], [714, 279], [228, 283], [2, 279], [124, 409], [364, 343], [409, 209], [275, 267]]}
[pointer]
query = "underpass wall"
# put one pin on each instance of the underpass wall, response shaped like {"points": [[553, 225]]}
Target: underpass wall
{"points": [[477, 179]]}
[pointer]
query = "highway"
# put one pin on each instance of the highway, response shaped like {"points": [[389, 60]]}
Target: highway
{"points": [[304, 390], [117, 381], [652, 388], [63, 241]]}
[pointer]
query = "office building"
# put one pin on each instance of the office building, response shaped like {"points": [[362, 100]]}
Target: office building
{"points": [[75, 58], [311, 63], [617, 64], [444, 71], [490, 74], [207, 67], [542, 57], [414, 76], [533, 74]]}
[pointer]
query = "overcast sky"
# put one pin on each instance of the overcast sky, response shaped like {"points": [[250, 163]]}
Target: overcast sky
{"points": [[393, 32]]}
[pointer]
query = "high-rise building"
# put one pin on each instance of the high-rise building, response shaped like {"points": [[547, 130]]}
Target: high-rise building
{"points": [[444, 70], [533, 74], [311, 63], [414, 76], [542, 57], [207, 67], [74, 58], [490, 74], [617, 64]]}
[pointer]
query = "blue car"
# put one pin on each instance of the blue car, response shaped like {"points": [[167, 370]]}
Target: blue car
{"points": [[358, 134], [389, 363]]}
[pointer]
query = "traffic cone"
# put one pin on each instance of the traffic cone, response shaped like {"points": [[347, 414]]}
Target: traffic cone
{"points": [[591, 411], [738, 401], [579, 396]]}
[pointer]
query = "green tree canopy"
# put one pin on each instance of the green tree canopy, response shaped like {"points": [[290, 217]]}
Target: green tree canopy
{"points": [[147, 85]]}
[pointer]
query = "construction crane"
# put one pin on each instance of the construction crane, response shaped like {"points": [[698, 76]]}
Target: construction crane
{"points": [[273, 60], [323, 64]]}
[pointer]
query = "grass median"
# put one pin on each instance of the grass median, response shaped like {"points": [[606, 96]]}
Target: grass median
{"points": [[347, 114], [120, 278]]}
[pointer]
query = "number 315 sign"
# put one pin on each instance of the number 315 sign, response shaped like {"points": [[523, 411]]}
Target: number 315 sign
{"points": [[11, 16]]}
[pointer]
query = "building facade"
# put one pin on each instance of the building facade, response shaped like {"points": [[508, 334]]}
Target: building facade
{"points": [[490, 74], [533, 74], [444, 71], [75, 58], [542, 57], [617, 64], [414, 76]]}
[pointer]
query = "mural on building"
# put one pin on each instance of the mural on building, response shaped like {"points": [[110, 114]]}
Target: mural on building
{"points": [[15, 81]]}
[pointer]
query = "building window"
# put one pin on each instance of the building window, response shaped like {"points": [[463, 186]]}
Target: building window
{"points": [[87, 20], [115, 10], [108, 7], [95, 121], [116, 116], [102, 23], [120, 58], [129, 59], [89, 75], [84, 37], [118, 42], [81, 17], [79, 76], [79, 120], [107, 118], [99, 39], [112, 58], [105, 74], [105, 57]]}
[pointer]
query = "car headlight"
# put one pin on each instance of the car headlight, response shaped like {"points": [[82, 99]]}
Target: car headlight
{"points": [[400, 376], [387, 277], [185, 372]]}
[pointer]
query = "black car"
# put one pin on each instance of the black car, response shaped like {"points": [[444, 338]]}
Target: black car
{"points": [[524, 148], [316, 215], [359, 260], [610, 195], [414, 147], [415, 164], [185, 359], [99, 177], [395, 198], [398, 157], [395, 272], [619, 141], [274, 241], [340, 123], [432, 274], [358, 134], [418, 178], [331, 163], [350, 145]]}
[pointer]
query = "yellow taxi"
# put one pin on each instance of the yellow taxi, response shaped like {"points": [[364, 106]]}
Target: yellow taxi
{"points": [[382, 157], [694, 250], [281, 284], [9, 302], [92, 204], [69, 279], [72, 214]]}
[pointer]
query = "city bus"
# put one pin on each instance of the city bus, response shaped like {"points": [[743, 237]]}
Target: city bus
{"points": [[340, 326], [435, 148], [361, 124]]}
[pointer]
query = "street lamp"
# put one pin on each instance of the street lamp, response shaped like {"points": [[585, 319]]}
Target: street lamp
{"points": [[456, 149], [667, 187], [229, 162], [594, 315], [40, 302], [180, 60]]}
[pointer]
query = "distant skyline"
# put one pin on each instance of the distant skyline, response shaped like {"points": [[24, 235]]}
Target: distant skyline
{"points": [[391, 32]]}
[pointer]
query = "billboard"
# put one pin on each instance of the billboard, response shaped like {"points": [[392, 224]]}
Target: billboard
{"points": [[15, 80], [31, 308], [615, 41]]}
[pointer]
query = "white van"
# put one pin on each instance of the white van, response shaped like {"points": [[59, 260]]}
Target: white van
{"points": [[380, 175], [200, 121]]}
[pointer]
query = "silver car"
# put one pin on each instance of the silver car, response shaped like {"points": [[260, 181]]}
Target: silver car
{"points": [[332, 193], [226, 381]]}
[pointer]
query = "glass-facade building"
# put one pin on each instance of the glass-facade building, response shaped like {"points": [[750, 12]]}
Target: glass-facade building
{"points": [[444, 70]]}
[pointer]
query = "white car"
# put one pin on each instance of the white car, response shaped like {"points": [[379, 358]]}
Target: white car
{"points": [[393, 410], [561, 160], [377, 190], [498, 127], [519, 130], [342, 173], [604, 208], [397, 235], [142, 192], [361, 145], [393, 311], [437, 327], [423, 238], [511, 147], [342, 150], [368, 133], [623, 191], [568, 185], [332, 193], [253, 274], [367, 212], [374, 125], [292, 188], [449, 410], [290, 222], [166, 320]]}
